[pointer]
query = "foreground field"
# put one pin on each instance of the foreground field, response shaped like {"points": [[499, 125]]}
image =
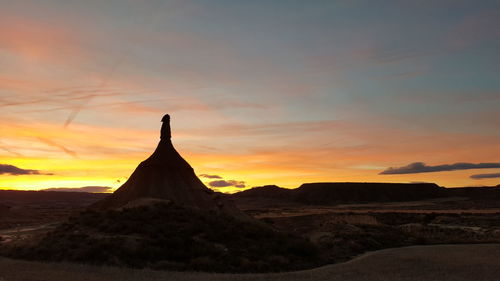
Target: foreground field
{"points": [[438, 262]]}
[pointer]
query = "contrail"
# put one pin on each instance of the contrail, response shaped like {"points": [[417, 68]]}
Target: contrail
{"points": [[11, 152], [96, 105], [61, 147], [111, 72]]}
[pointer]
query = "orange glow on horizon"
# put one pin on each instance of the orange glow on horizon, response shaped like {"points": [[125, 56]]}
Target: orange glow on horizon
{"points": [[98, 156]]}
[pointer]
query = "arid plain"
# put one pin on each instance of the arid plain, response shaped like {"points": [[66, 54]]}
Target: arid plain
{"points": [[361, 241]]}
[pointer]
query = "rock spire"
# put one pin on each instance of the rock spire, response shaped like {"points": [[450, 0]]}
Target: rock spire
{"points": [[165, 175]]}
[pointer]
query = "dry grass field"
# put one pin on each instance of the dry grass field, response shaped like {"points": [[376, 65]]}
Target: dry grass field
{"points": [[479, 262]]}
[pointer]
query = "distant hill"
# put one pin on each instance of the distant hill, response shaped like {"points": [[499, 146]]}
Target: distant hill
{"points": [[22, 197], [268, 191], [263, 196], [328, 193], [309, 193], [478, 193], [349, 192]]}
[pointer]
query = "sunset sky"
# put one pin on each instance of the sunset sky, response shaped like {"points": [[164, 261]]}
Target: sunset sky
{"points": [[261, 92]]}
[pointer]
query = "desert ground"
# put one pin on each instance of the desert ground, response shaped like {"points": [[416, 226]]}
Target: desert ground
{"points": [[416, 263], [452, 238]]}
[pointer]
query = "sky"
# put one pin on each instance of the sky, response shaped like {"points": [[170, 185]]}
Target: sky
{"points": [[260, 92]]}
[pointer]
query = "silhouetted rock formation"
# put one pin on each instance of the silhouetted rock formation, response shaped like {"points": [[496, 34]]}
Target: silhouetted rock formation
{"points": [[327, 193], [267, 196], [166, 175], [339, 193], [266, 191]]}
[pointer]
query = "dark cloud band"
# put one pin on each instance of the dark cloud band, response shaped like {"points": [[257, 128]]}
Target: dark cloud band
{"points": [[420, 167], [224, 183], [485, 176], [90, 189], [16, 171]]}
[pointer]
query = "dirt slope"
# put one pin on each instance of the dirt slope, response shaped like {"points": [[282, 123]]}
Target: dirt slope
{"points": [[417, 263]]}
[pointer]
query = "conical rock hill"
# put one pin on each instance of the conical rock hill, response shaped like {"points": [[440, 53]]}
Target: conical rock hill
{"points": [[165, 175]]}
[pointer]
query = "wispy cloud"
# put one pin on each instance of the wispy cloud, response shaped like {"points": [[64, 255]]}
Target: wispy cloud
{"points": [[475, 29], [61, 147], [16, 171], [90, 189], [393, 56], [420, 167], [485, 176], [210, 176], [7, 149]]}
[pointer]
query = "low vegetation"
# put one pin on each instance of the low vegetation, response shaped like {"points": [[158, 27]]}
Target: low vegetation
{"points": [[166, 236]]}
